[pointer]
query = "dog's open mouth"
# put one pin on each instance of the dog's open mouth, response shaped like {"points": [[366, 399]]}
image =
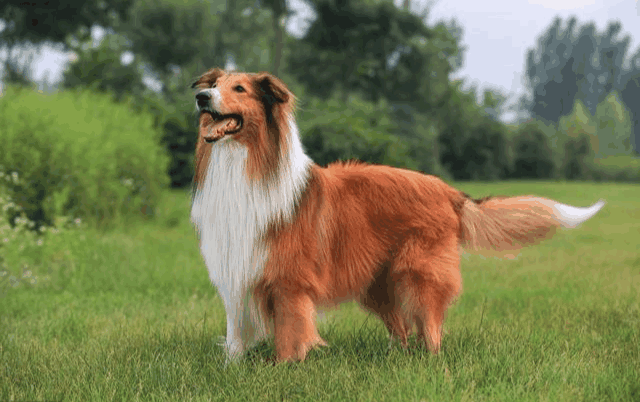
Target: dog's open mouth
{"points": [[217, 125]]}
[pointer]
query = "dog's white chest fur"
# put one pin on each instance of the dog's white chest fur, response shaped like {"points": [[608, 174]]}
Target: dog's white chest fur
{"points": [[230, 220], [231, 215]]}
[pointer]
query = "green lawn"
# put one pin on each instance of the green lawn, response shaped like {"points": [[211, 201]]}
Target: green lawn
{"points": [[131, 315]]}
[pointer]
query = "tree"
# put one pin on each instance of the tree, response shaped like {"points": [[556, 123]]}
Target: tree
{"points": [[472, 143], [181, 39], [493, 103], [534, 155], [278, 9], [102, 68], [567, 66], [630, 95], [376, 50], [32, 24], [53, 21], [169, 35], [550, 73], [614, 127], [578, 139]]}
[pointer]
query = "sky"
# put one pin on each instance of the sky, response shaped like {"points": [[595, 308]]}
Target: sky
{"points": [[497, 35]]}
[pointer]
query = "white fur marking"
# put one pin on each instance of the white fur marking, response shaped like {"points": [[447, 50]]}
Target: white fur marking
{"points": [[216, 98], [568, 215], [571, 216], [231, 214]]}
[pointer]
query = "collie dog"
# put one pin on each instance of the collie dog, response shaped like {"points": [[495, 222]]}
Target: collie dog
{"points": [[281, 236]]}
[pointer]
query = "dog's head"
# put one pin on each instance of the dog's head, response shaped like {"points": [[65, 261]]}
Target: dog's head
{"points": [[239, 105], [250, 110]]}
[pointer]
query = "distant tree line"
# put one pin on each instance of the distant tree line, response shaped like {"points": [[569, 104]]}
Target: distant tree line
{"points": [[373, 79]]}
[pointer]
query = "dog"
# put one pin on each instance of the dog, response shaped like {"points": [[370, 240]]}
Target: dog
{"points": [[282, 236]]}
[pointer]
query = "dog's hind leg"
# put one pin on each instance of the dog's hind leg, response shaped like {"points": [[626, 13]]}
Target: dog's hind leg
{"points": [[380, 298], [427, 278]]}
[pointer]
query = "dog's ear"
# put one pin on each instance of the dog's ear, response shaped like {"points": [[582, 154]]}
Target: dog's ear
{"points": [[273, 90], [209, 78]]}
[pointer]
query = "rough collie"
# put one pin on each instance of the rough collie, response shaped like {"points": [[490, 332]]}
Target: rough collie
{"points": [[281, 236]]}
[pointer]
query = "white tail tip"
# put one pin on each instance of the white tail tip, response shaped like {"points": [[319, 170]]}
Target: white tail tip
{"points": [[571, 217]]}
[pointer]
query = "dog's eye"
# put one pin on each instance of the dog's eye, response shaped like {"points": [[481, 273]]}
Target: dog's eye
{"points": [[239, 88]]}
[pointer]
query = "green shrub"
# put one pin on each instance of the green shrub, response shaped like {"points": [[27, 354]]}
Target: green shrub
{"points": [[624, 168], [533, 155], [578, 157], [577, 143], [21, 260], [78, 154], [178, 122], [334, 131]]}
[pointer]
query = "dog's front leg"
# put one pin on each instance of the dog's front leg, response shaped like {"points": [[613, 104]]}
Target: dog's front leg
{"points": [[295, 329], [245, 324], [233, 343]]}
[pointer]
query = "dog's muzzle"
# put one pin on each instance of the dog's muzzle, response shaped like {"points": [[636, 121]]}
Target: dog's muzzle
{"points": [[203, 100]]}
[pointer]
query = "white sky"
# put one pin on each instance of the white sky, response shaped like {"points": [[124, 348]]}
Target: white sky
{"points": [[497, 34]]}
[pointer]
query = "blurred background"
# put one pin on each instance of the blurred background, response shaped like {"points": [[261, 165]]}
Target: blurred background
{"points": [[467, 90]]}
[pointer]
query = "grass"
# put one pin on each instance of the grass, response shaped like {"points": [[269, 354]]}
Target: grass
{"points": [[130, 315]]}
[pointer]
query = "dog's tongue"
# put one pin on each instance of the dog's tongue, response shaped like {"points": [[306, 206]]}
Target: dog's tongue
{"points": [[215, 129]]}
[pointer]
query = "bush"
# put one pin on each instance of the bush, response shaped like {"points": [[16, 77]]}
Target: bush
{"points": [[578, 157], [616, 169], [21, 260], [178, 123], [474, 149], [334, 132], [533, 155], [78, 154], [578, 140]]}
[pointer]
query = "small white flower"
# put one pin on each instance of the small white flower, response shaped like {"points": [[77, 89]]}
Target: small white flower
{"points": [[39, 242]]}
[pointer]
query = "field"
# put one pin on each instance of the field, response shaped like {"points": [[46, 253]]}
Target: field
{"points": [[130, 314]]}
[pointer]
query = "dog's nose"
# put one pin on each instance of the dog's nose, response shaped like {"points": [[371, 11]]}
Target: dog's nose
{"points": [[202, 99]]}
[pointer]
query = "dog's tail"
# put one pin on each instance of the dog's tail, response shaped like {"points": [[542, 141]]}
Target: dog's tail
{"points": [[502, 224]]}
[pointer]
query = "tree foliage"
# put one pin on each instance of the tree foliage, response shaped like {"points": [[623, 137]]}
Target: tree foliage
{"points": [[375, 50], [53, 21], [614, 127], [579, 142], [568, 65], [168, 34], [472, 143], [534, 153], [101, 68], [580, 63], [630, 95]]}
